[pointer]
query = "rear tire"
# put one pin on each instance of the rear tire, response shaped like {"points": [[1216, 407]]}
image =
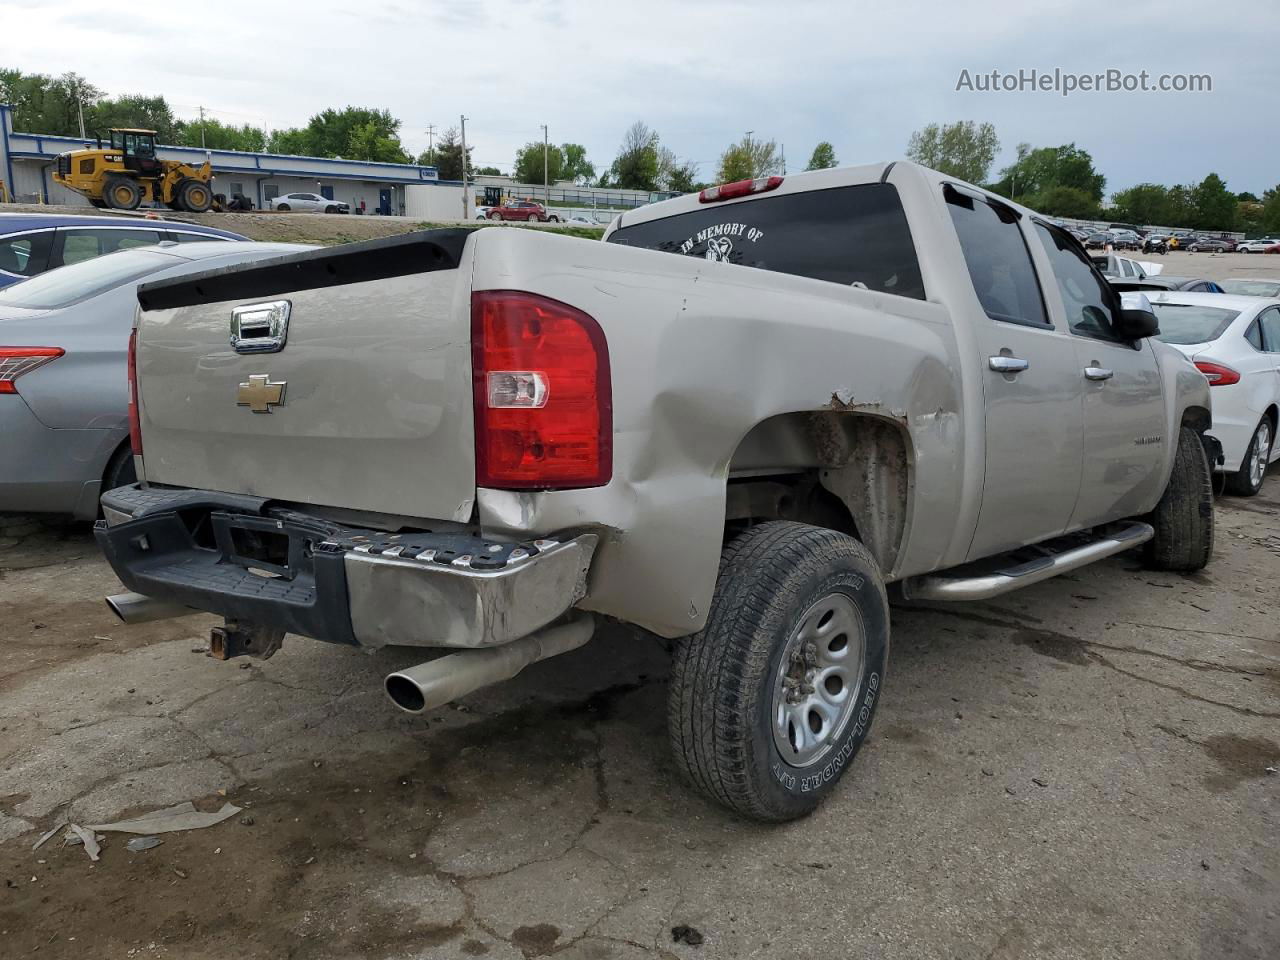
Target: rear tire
{"points": [[100, 204], [771, 700], [195, 196], [121, 193], [282, 206], [1247, 481], [494, 215], [1183, 519], [120, 470]]}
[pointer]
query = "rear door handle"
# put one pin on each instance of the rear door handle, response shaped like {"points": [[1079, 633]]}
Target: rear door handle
{"points": [[1098, 373], [1007, 364]]}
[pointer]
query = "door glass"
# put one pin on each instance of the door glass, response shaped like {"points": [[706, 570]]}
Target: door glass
{"points": [[998, 260], [1085, 294], [26, 255], [80, 245]]}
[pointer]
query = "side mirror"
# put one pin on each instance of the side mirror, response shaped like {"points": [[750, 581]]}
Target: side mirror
{"points": [[1136, 319]]}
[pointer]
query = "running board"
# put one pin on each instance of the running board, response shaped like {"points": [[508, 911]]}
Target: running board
{"points": [[1071, 555]]}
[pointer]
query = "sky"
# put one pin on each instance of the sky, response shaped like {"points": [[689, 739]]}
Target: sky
{"points": [[862, 75]]}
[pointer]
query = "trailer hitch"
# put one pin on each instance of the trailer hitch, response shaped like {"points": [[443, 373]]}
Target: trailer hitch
{"points": [[236, 638]]}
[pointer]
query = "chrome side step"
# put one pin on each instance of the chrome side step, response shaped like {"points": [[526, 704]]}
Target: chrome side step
{"points": [[983, 586]]}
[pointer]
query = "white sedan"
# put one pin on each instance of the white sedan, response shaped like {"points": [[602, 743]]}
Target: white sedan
{"points": [[1235, 342], [1256, 246], [1252, 286], [308, 203]]}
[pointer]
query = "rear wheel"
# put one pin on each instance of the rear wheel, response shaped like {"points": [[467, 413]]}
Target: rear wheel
{"points": [[1247, 481], [533, 218], [100, 204], [120, 470], [121, 193], [195, 196], [494, 215], [282, 206], [772, 699], [1183, 519]]}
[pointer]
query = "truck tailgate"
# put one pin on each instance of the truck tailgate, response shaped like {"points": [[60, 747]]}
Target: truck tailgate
{"points": [[363, 400]]}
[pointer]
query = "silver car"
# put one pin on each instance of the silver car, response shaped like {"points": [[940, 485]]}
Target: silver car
{"points": [[64, 339], [309, 203]]}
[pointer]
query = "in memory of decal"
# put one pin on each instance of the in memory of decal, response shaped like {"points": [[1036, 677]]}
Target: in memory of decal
{"points": [[719, 240]]}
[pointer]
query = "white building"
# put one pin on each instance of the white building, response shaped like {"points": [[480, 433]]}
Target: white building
{"points": [[27, 161]]}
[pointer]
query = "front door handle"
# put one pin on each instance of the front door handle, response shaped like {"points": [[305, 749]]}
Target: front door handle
{"points": [[1098, 373], [1007, 364]]}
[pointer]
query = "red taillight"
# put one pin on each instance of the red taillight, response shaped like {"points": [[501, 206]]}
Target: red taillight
{"points": [[1217, 374], [739, 188], [543, 399], [135, 425], [15, 361]]}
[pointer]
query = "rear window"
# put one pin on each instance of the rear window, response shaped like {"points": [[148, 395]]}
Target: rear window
{"points": [[1252, 288], [855, 235], [1182, 323], [66, 285]]}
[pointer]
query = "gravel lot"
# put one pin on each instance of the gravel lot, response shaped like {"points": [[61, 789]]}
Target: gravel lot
{"points": [[1078, 770]]}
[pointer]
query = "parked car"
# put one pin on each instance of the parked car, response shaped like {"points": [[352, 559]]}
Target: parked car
{"points": [[1273, 248], [1163, 282], [482, 213], [1211, 245], [1251, 286], [1235, 342], [64, 337], [1125, 240], [732, 422], [31, 243], [1155, 243], [1114, 265], [529, 210], [1257, 246], [308, 203]]}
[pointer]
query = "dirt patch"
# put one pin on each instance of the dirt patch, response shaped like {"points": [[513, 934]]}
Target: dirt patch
{"points": [[537, 940], [1057, 646]]}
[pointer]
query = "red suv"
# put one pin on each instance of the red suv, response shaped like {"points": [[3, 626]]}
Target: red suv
{"points": [[529, 210]]}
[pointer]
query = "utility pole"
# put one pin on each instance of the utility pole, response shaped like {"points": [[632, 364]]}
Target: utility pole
{"points": [[751, 156], [466, 189], [431, 147], [80, 110], [202, 128], [546, 183], [784, 159]]}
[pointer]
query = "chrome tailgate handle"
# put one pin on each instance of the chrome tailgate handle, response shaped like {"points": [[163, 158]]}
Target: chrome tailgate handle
{"points": [[1007, 364], [1098, 373], [260, 327]]}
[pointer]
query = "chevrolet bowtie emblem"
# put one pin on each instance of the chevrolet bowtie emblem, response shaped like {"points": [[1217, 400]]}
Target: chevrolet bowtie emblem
{"points": [[260, 394]]}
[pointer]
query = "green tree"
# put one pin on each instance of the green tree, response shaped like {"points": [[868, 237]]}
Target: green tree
{"points": [[135, 110], [292, 142], [1271, 210], [1214, 204], [682, 178], [482, 171], [576, 165], [448, 155], [368, 141], [1182, 210], [328, 133], [528, 166], [1146, 203], [1036, 170], [1063, 201], [964, 149], [221, 136], [46, 104], [636, 165], [748, 159], [823, 157], [1246, 197]]}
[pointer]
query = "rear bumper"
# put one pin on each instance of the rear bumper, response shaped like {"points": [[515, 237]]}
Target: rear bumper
{"points": [[245, 559]]}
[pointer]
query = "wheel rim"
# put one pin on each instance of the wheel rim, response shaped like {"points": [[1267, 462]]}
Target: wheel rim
{"points": [[197, 196], [1258, 456], [818, 676], [122, 195]]}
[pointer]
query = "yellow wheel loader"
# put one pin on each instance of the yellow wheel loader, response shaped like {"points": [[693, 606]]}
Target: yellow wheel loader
{"points": [[129, 172]]}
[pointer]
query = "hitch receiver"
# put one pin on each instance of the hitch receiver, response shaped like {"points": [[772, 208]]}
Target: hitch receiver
{"points": [[237, 639]]}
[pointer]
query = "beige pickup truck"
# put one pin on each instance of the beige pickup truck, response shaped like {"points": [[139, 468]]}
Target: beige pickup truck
{"points": [[740, 421]]}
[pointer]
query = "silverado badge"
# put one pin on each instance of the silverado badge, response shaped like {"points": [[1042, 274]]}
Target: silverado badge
{"points": [[260, 394]]}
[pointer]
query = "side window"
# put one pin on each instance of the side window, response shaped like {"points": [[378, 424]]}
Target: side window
{"points": [[1087, 297], [26, 255], [270, 191], [183, 237], [1254, 334], [999, 262], [853, 236], [79, 245], [1270, 321]]}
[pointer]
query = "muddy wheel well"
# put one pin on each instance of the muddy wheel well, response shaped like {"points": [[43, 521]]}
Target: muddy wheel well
{"points": [[1197, 418], [846, 470]]}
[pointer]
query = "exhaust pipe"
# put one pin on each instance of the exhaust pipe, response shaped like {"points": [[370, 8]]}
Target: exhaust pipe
{"points": [[437, 682], [138, 608]]}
